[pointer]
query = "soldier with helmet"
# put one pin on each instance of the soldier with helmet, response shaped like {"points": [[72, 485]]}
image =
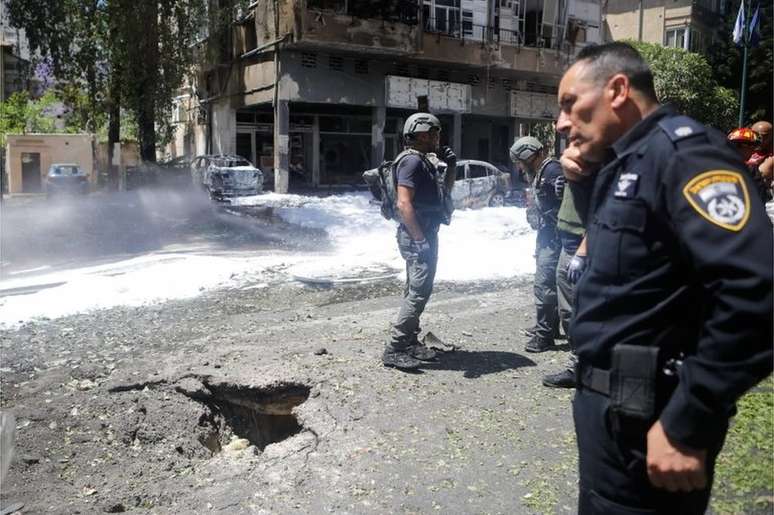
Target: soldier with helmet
{"points": [[763, 159], [747, 142], [422, 203], [546, 177]]}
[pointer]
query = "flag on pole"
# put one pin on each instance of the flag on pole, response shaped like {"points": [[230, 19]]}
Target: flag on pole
{"points": [[755, 35], [739, 25]]}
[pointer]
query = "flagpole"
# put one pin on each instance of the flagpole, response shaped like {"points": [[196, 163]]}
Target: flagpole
{"points": [[746, 45]]}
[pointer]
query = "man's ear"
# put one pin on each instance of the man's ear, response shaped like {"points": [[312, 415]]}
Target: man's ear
{"points": [[618, 89]]}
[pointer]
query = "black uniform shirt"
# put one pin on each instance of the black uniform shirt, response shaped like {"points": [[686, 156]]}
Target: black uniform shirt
{"points": [[680, 257], [417, 173]]}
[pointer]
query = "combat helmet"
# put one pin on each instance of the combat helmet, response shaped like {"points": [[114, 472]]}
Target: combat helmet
{"points": [[525, 148], [420, 122]]}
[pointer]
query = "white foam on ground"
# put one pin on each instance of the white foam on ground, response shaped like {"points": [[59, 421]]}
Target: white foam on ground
{"points": [[487, 244]]}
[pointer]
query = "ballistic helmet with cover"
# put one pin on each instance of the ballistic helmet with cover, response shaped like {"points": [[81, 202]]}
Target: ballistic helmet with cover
{"points": [[420, 122], [525, 148]]}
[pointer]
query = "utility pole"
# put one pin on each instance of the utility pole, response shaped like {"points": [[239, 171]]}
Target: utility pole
{"points": [[642, 19]]}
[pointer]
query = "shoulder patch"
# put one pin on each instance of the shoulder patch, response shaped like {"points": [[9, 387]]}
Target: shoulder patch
{"points": [[721, 197], [680, 127]]}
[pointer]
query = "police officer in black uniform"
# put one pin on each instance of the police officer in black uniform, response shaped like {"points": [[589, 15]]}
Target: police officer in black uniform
{"points": [[422, 204], [544, 174], [674, 310]]}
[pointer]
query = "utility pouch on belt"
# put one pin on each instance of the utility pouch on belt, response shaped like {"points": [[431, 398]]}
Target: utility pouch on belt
{"points": [[633, 381]]}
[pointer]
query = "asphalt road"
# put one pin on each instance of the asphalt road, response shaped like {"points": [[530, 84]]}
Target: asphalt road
{"points": [[39, 236], [114, 408]]}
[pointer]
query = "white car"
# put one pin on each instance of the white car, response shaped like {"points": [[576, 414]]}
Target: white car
{"points": [[480, 184], [225, 176]]}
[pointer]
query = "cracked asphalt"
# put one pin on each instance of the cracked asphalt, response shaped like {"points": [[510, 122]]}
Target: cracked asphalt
{"points": [[108, 420]]}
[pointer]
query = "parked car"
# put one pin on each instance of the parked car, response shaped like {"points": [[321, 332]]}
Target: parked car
{"points": [[66, 178], [225, 176], [174, 173], [480, 184]]}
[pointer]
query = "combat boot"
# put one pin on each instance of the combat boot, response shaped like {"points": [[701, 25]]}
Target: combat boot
{"points": [[400, 359], [539, 344], [421, 352], [529, 332], [563, 379]]}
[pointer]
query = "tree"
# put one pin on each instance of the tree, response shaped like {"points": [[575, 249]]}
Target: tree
{"points": [[685, 80], [153, 67], [122, 52], [20, 114], [69, 34], [725, 59]]}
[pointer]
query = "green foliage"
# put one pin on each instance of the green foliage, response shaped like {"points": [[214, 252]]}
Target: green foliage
{"points": [[545, 133], [138, 51], [13, 115], [57, 111], [745, 469], [68, 34], [725, 59], [685, 80]]}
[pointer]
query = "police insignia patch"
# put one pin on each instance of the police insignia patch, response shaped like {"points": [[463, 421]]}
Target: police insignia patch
{"points": [[683, 131], [721, 197], [627, 185]]}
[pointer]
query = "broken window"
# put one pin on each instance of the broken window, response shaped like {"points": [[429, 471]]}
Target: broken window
{"points": [[309, 60], [361, 66], [442, 16], [402, 11], [476, 171], [337, 6], [335, 63]]}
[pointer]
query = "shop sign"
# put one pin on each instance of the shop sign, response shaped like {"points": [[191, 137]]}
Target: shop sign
{"points": [[403, 92]]}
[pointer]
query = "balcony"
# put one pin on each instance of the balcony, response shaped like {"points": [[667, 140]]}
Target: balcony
{"points": [[366, 26], [471, 44]]}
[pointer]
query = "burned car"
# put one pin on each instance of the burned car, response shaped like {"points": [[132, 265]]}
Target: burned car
{"points": [[480, 184], [224, 176], [66, 178]]}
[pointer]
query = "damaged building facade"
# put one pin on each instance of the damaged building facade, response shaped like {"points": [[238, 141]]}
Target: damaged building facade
{"points": [[317, 90]]}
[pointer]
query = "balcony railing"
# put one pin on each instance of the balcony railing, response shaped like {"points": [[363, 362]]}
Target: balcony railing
{"points": [[486, 34], [400, 11]]}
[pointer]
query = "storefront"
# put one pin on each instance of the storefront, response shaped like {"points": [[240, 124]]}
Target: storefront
{"points": [[325, 148]]}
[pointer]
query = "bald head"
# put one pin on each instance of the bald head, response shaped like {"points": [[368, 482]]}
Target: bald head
{"points": [[763, 130]]}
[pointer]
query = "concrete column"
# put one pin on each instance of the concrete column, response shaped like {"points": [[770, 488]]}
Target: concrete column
{"points": [[316, 151], [281, 145], [223, 129], [457, 135], [378, 119]]}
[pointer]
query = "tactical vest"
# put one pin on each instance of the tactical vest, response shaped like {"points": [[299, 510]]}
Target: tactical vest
{"points": [[536, 214], [383, 183]]}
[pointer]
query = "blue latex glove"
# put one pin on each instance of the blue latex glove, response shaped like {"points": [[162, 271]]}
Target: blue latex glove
{"points": [[575, 268]]}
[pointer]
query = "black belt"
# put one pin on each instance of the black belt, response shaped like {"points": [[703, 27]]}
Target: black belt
{"points": [[595, 379]]}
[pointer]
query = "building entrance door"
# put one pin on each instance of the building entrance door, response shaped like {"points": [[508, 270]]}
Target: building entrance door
{"points": [[30, 172]]}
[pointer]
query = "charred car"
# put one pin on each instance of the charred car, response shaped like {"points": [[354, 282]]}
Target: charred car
{"points": [[480, 184], [66, 178], [224, 176]]}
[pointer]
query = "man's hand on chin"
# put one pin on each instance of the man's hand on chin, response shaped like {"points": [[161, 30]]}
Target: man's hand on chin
{"points": [[575, 167], [672, 466]]}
